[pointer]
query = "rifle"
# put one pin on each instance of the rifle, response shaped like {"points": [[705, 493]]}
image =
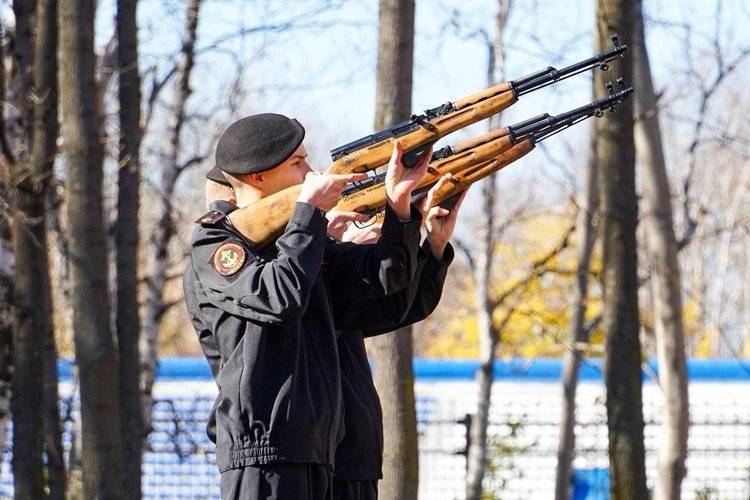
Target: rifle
{"points": [[420, 132], [468, 161]]}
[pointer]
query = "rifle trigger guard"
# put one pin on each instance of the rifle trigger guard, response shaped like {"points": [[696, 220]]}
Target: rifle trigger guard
{"points": [[365, 225]]}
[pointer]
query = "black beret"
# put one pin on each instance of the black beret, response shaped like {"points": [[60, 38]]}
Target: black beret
{"points": [[215, 175], [258, 143]]}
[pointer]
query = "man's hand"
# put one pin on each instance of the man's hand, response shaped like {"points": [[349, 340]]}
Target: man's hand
{"points": [[440, 222], [338, 222], [324, 190], [363, 235], [401, 181]]}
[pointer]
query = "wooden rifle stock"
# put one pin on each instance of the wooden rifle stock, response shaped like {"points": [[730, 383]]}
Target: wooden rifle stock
{"points": [[468, 110], [266, 219]]}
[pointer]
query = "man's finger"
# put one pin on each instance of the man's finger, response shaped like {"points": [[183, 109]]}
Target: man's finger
{"points": [[395, 162], [438, 212], [430, 198], [398, 151]]}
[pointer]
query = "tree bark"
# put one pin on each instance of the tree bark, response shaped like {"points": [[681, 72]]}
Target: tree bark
{"points": [[476, 457], [127, 321], [23, 54], [394, 377], [578, 333], [6, 331], [392, 354], [6, 266], [29, 321], [96, 356], [37, 422], [164, 230], [44, 149], [622, 357], [665, 275]]}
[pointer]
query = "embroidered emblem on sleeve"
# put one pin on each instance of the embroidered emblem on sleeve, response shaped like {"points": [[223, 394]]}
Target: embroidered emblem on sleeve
{"points": [[228, 258]]}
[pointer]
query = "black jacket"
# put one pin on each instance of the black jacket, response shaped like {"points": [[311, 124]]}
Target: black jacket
{"points": [[359, 456], [268, 329]]}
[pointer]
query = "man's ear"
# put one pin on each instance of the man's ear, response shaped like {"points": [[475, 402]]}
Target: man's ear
{"points": [[255, 179]]}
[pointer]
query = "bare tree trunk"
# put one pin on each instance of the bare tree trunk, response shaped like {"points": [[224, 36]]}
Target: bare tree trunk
{"points": [[578, 333], [23, 54], [476, 458], [392, 354], [622, 358], [44, 150], [394, 378], [29, 322], [93, 337], [665, 275], [477, 452], [36, 419], [6, 331], [127, 322], [164, 230], [6, 263]]}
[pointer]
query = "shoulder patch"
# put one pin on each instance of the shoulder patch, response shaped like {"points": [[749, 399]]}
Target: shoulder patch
{"points": [[228, 258], [211, 217]]}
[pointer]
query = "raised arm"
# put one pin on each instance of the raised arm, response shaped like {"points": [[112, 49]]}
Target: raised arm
{"points": [[383, 268]]}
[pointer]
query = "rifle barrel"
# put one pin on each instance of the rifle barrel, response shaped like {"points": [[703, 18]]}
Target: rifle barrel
{"points": [[548, 76], [543, 126]]}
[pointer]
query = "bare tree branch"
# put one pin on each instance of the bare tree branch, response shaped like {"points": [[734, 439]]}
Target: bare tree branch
{"points": [[538, 268], [465, 251]]}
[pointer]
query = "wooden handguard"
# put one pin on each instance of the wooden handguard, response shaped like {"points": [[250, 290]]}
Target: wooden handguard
{"points": [[469, 110], [495, 90], [374, 197], [469, 176], [481, 139]]}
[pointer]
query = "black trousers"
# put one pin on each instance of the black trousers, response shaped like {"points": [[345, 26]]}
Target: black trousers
{"points": [[278, 482], [344, 489]]}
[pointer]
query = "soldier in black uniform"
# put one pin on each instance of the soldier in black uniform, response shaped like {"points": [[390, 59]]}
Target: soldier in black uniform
{"points": [[266, 317], [359, 456]]}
